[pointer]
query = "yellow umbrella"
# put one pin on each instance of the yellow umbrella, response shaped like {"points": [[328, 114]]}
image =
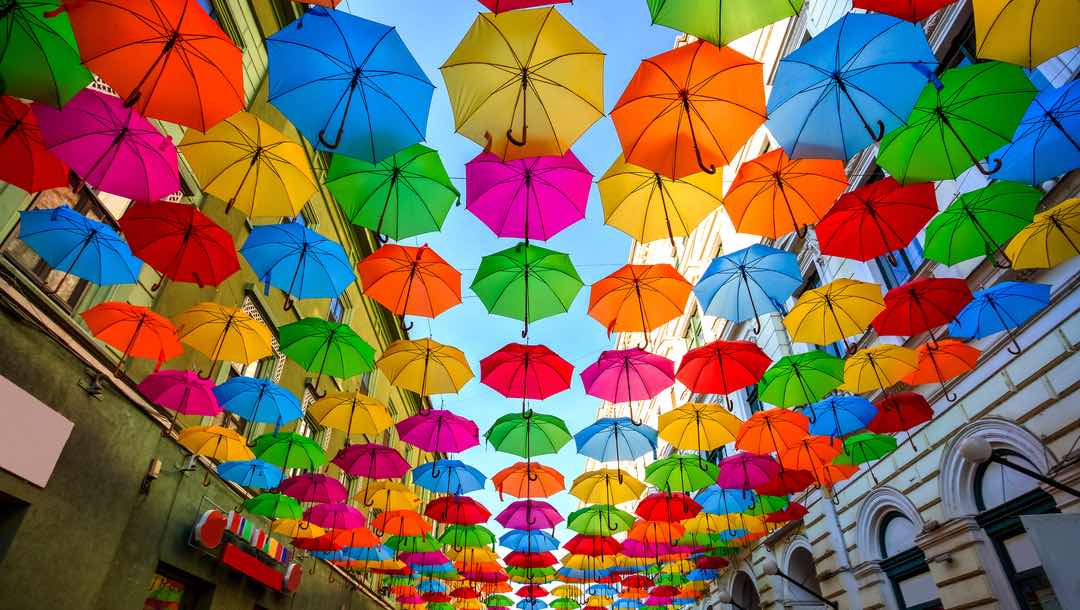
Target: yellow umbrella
{"points": [[878, 367], [708, 523], [250, 165], [425, 366], [587, 562], [647, 206], [1052, 238], [566, 591], [469, 604], [606, 486], [1025, 32], [224, 333], [699, 426], [524, 83], [351, 412], [680, 566], [216, 443], [840, 309], [388, 495], [601, 601], [294, 528], [471, 554]]}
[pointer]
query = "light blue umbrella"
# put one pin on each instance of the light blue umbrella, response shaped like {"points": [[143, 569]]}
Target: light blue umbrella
{"points": [[251, 473], [838, 416], [1003, 306], [613, 439], [448, 476], [728, 535], [431, 586], [626, 604], [531, 604], [571, 574], [258, 400], [702, 574], [747, 283], [529, 541], [348, 84], [299, 261], [602, 589], [844, 88], [719, 501], [1046, 143], [75, 245]]}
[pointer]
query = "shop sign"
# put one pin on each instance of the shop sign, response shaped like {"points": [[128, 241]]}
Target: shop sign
{"points": [[248, 549]]}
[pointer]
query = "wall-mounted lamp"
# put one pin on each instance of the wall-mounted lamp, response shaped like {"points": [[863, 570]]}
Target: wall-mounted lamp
{"points": [[153, 471], [977, 450], [725, 598], [770, 568]]}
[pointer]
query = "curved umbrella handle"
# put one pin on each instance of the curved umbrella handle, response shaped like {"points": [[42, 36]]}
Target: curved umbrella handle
{"points": [[205, 377], [532, 476], [708, 169], [290, 304], [524, 136], [381, 238], [987, 171], [206, 479], [880, 131], [757, 325], [408, 327], [337, 140]]}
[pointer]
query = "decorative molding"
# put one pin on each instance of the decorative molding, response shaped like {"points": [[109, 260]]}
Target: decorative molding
{"points": [[875, 506]]}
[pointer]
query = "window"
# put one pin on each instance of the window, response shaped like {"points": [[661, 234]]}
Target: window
{"points": [[753, 401], [905, 564], [12, 512], [171, 589], [716, 455], [219, 12], [694, 335], [962, 48], [908, 261]]}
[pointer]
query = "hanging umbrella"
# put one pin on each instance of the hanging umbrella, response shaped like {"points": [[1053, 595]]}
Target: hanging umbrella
{"points": [[748, 283], [250, 473], [401, 523], [313, 487], [327, 347], [410, 280], [527, 198], [840, 309], [297, 529], [457, 510], [1044, 145], [75, 245], [40, 60], [666, 116], [789, 482], [528, 480], [529, 515], [615, 439], [967, 114], [351, 412], [412, 544], [526, 371], [681, 473], [773, 195], [719, 501], [224, 333], [627, 375], [215, 442], [446, 476], [403, 195], [523, 540], [980, 222], [467, 536], [606, 486], [638, 298], [593, 546], [335, 75], [876, 219], [24, 160], [801, 379], [1052, 238], [865, 448], [718, 21], [528, 435], [299, 261], [911, 10], [332, 517], [182, 392], [425, 366], [839, 416], [842, 89], [390, 495], [524, 83], [179, 242], [498, 6], [371, 461], [878, 368], [504, 279], [134, 330], [654, 533], [258, 400], [722, 367], [900, 412], [699, 426], [289, 450], [772, 431], [921, 305], [273, 506], [439, 431], [1003, 306], [1036, 31], [660, 506], [940, 361]]}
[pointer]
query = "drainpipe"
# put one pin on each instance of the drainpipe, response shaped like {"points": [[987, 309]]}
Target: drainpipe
{"points": [[836, 536]]}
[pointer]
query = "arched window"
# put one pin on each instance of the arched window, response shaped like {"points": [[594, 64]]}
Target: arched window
{"points": [[905, 564], [801, 570], [744, 593]]}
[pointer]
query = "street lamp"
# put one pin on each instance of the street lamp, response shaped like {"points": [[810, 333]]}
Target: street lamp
{"points": [[977, 450], [725, 598], [770, 568]]}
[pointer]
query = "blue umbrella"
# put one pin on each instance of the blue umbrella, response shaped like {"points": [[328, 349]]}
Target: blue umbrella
{"points": [[358, 553], [727, 535], [602, 589], [298, 260], [532, 604], [1044, 145], [529, 541], [702, 574], [626, 604], [1003, 306], [838, 416], [72, 243], [748, 283], [446, 476], [615, 439], [251, 473], [348, 84], [847, 86], [258, 400], [431, 586], [571, 574], [719, 501]]}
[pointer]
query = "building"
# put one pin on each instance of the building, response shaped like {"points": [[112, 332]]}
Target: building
{"points": [[925, 529], [95, 530]]}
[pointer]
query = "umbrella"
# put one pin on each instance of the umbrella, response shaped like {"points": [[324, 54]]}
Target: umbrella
{"points": [[967, 114], [425, 366], [699, 426], [980, 222], [250, 473], [504, 279], [40, 60], [1003, 306], [921, 305], [403, 195], [410, 280], [628, 375], [772, 430], [615, 439], [271, 505], [681, 473], [401, 523], [299, 261], [180, 242], [528, 480], [258, 400], [864, 448], [528, 435], [134, 330], [457, 510], [73, 244], [224, 333], [446, 476], [722, 367], [840, 309], [524, 540], [606, 486], [528, 198], [719, 501], [529, 515], [289, 450], [1044, 145], [940, 361], [793, 512], [498, 6], [182, 392], [773, 195], [876, 219], [900, 412], [654, 533], [465, 536], [249, 164], [412, 544], [666, 116], [524, 83], [842, 89], [439, 431], [351, 412], [390, 495], [1052, 238], [800, 379], [660, 506], [911, 10], [878, 367], [593, 546], [498, 601], [24, 160], [327, 347], [371, 461], [335, 75], [518, 559], [638, 298], [313, 487], [297, 529], [167, 58], [748, 283], [337, 516], [719, 21], [791, 481], [1036, 31], [839, 416], [526, 371], [215, 442]]}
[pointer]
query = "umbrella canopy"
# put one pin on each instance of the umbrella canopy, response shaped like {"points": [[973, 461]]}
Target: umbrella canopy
{"points": [[297, 529], [224, 333], [289, 450], [351, 412], [660, 506], [313, 487], [840, 309], [747, 283], [638, 298], [666, 116], [606, 486], [528, 480], [528, 435], [911, 10], [719, 501], [215, 442], [699, 426], [942, 360], [722, 367], [528, 540], [182, 392], [134, 330], [75, 245], [527, 283], [593, 546], [865, 447], [250, 473], [878, 367], [526, 371], [921, 305], [1044, 145], [327, 347], [615, 439], [401, 523], [425, 366], [529, 515], [458, 510], [772, 431], [371, 461], [439, 430], [1052, 238], [338, 516], [40, 59], [299, 261], [524, 83], [180, 242], [448, 476], [681, 473], [467, 536], [390, 495], [980, 222], [718, 21], [335, 76], [410, 280], [24, 160], [876, 219], [628, 375], [792, 481], [1036, 31], [1003, 306], [800, 379], [839, 416], [900, 412], [272, 505], [498, 6]]}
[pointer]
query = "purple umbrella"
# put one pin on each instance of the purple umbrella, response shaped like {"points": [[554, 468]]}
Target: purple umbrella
{"points": [[312, 487], [182, 392], [439, 430], [529, 515], [111, 147], [531, 198], [428, 558], [653, 600], [339, 516], [746, 471], [371, 461], [627, 375]]}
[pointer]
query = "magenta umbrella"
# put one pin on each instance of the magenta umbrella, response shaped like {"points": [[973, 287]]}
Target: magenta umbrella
{"points": [[426, 558], [337, 516], [371, 461], [654, 600], [439, 430], [627, 375], [110, 147], [529, 515], [530, 198], [182, 392], [414, 600], [637, 548], [312, 487], [746, 471]]}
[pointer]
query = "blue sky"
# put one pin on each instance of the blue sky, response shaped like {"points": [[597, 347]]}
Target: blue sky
{"points": [[431, 29]]}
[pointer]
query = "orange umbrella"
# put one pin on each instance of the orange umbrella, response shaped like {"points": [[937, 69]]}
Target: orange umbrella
{"points": [[528, 480], [690, 109], [773, 195], [410, 280], [135, 331], [357, 537], [401, 523], [655, 532], [939, 363], [772, 430], [812, 453], [639, 298], [831, 474]]}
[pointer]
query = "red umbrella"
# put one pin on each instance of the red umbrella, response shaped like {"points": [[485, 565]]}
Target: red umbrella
{"points": [[787, 482], [500, 6], [660, 506], [433, 597], [464, 593], [326, 542], [793, 511], [912, 10], [532, 591], [518, 559], [526, 372], [722, 367], [180, 242], [637, 581], [711, 563], [24, 160], [900, 412], [457, 510], [922, 305], [593, 546], [876, 219], [664, 591]]}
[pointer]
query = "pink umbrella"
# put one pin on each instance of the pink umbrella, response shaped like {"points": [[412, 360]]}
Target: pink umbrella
{"points": [[654, 600], [409, 599], [439, 430], [628, 375], [183, 392], [312, 487], [427, 558], [746, 471], [531, 198], [338, 516], [637, 548], [111, 147], [529, 515], [371, 461]]}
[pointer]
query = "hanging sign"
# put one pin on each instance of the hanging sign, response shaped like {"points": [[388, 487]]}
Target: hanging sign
{"points": [[248, 549]]}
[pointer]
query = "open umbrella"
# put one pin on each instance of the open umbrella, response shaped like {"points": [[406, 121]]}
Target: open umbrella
{"points": [[372, 462], [627, 375], [272, 505], [336, 76], [748, 283], [681, 473], [351, 412], [528, 480], [900, 412], [448, 476], [289, 450], [1052, 238], [722, 367], [720, 21], [439, 431], [314, 487], [326, 347], [911, 10], [615, 439], [466, 536], [878, 368], [840, 309], [457, 510], [771, 431], [638, 298], [606, 486], [526, 371], [876, 219], [839, 416], [699, 426], [75, 245], [800, 379], [1003, 306], [179, 242], [39, 59], [790, 481], [524, 83], [425, 366], [524, 540], [1035, 32], [258, 400], [182, 392], [299, 261], [921, 305], [224, 333], [498, 6], [250, 473], [215, 442], [24, 160], [390, 495], [529, 515], [410, 280], [980, 222], [940, 361], [527, 283], [337, 516], [528, 435], [1045, 144], [401, 523], [134, 330], [865, 448]]}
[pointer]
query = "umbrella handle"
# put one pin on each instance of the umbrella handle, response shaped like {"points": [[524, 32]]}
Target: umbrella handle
{"points": [[532, 476], [985, 171], [408, 327], [524, 136], [708, 169], [757, 326], [206, 479], [382, 239], [290, 304], [337, 139]]}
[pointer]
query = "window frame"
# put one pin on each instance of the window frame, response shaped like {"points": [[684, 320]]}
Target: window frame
{"points": [[903, 565]]}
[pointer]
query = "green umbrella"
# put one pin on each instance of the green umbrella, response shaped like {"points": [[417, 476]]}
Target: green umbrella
{"points": [[326, 347], [720, 550], [396, 579], [696, 539], [531, 575], [406, 194], [978, 223], [289, 450], [526, 283], [721, 21], [681, 473], [968, 114], [440, 606], [38, 56], [801, 379], [600, 520], [274, 506], [462, 536], [564, 603], [864, 448], [763, 505], [413, 544], [498, 601], [528, 435], [669, 579]]}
